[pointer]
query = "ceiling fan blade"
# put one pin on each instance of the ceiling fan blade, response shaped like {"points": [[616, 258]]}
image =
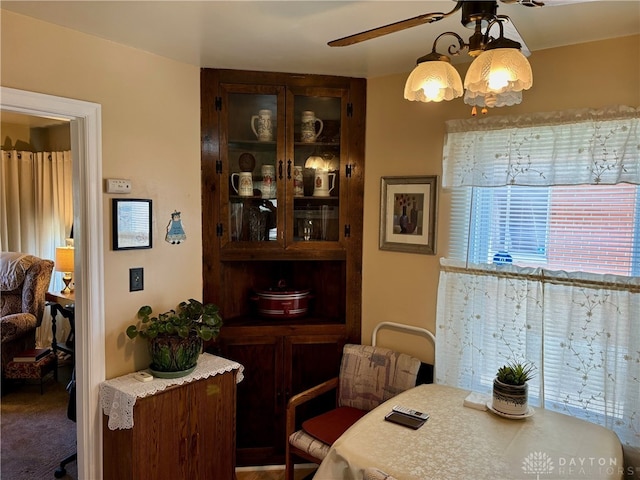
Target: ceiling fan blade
{"points": [[393, 27], [387, 29]]}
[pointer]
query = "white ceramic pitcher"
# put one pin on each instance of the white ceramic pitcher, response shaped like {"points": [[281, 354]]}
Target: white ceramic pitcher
{"points": [[323, 183]]}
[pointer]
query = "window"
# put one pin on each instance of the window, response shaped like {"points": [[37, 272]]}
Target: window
{"points": [[588, 228], [544, 260]]}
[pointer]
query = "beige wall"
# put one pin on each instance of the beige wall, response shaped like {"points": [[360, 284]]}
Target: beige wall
{"points": [[150, 135], [150, 120], [406, 138]]}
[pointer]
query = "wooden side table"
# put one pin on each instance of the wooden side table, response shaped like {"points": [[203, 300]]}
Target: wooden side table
{"points": [[63, 304]]}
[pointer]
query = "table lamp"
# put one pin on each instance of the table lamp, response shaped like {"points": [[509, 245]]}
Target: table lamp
{"points": [[64, 263]]}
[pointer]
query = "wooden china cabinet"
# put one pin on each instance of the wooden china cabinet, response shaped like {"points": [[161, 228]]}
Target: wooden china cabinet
{"points": [[281, 206]]}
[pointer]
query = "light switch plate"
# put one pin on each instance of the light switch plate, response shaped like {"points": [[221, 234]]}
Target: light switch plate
{"points": [[118, 185], [136, 279]]}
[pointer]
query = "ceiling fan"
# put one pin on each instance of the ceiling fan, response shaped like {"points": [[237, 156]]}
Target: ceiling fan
{"points": [[475, 15], [495, 78]]}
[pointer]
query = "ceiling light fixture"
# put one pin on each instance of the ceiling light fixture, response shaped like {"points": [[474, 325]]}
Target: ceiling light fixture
{"points": [[496, 78]]}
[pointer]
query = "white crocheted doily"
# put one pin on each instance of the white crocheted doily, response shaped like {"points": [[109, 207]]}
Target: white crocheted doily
{"points": [[119, 395]]}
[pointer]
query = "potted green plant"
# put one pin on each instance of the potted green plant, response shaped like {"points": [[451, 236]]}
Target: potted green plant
{"points": [[176, 337], [510, 389]]}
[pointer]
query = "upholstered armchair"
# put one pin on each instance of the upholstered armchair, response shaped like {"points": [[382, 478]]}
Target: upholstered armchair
{"points": [[24, 280], [368, 377]]}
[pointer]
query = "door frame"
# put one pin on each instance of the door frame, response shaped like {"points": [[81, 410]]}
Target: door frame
{"points": [[86, 147]]}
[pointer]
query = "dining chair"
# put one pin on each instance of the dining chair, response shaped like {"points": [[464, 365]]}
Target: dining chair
{"points": [[368, 377]]}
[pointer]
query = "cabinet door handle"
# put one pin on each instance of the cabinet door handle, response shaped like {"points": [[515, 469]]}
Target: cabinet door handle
{"points": [[289, 169], [280, 170]]}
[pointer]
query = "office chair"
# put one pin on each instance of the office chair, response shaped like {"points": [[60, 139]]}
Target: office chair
{"points": [[61, 471]]}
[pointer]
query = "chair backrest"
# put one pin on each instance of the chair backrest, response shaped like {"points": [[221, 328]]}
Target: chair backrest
{"points": [[370, 375], [24, 280]]}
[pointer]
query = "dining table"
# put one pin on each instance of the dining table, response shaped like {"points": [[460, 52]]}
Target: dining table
{"points": [[472, 441]]}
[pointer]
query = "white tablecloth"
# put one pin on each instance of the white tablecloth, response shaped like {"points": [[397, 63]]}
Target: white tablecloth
{"points": [[458, 442], [118, 395]]}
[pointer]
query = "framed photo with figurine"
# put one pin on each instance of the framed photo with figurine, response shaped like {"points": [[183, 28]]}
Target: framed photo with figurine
{"points": [[408, 207]]}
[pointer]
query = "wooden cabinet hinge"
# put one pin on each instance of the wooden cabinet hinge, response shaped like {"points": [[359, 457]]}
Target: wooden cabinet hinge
{"points": [[347, 230], [218, 230], [348, 170], [349, 109], [218, 166], [218, 103]]}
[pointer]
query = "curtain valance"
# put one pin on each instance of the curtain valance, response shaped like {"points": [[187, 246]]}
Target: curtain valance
{"points": [[565, 148]]}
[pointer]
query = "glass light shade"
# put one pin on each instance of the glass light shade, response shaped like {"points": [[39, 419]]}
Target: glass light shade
{"points": [[433, 81], [497, 78], [316, 161], [64, 259]]}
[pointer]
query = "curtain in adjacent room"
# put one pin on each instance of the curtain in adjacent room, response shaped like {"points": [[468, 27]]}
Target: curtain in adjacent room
{"points": [[36, 211], [581, 329]]}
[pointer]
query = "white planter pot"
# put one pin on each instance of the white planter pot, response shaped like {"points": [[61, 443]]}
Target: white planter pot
{"points": [[510, 399]]}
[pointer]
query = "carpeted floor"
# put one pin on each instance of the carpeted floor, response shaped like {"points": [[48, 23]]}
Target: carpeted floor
{"points": [[35, 431]]}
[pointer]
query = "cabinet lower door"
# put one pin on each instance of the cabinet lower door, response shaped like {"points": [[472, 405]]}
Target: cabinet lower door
{"points": [[259, 429], [185, 432]]}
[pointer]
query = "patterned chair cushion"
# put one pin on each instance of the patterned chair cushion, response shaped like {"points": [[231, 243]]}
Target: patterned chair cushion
{"points": [[15, 326], [309, 444], [370, 375]]}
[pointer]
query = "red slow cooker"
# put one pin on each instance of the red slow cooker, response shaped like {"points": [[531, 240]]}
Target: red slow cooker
{"points": [[282, 302]]}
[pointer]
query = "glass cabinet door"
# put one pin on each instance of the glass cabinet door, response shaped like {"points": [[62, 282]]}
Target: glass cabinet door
{"points": [[251, 156], [315, 128]]}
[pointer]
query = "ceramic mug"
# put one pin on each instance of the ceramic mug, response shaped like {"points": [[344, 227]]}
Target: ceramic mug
{"points": [[262, 126], [298, 181], [308, 128], [245, 184], [268, 187], [324, 182]]}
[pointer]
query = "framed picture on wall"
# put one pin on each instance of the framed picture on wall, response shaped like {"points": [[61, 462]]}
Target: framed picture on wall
{"points": [[131, 219], [408, 207]]}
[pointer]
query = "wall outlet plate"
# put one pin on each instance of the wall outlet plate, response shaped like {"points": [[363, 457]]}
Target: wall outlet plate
{"points": [[118, 185], [136, 279]]}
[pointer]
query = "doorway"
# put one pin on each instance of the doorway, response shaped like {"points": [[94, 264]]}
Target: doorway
{"points": [[86, 145]]}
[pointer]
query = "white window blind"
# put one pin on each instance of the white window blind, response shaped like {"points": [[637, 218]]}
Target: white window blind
{"points": [[544, 260], [588, 228]]}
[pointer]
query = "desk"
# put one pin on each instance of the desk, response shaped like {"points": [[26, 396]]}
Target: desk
{"points": [[64, 304], [458, 442]]}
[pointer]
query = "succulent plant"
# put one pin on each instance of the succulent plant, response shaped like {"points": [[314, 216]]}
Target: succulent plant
{"points": [[516, 373]]}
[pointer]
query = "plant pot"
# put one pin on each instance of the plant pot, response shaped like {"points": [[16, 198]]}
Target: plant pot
{"points": [[173, 356], [510, 399]]}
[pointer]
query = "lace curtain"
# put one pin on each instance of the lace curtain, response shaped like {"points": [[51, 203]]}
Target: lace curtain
{"points": [[568, 148], [36, 211], [581, 330]]}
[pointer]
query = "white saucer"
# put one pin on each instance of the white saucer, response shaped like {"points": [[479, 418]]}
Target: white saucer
{"points": [[530, 412]]}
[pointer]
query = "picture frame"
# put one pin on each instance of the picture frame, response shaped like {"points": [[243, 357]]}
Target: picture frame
{"points": [[131, 223], [408, 208]]}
